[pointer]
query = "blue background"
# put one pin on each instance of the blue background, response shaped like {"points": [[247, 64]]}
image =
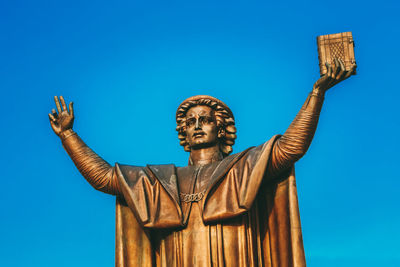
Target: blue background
{"points": [[128, 64]]}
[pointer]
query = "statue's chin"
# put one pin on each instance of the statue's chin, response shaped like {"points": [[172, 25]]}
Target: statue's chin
{"points": [[200, 145]]}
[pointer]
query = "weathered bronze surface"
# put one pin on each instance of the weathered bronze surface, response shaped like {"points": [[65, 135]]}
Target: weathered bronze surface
{"points": [[221, 209], [337, 45]]}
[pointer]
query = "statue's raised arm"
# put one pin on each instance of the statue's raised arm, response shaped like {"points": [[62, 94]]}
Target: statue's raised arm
{"points": [[293, 144], [217, 211], [95, 170]]}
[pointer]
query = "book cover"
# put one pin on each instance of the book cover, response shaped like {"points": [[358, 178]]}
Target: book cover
{"points": [[338, 45]]}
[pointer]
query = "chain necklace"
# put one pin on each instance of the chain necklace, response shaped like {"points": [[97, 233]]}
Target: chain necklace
{"points": [[194, 197]]}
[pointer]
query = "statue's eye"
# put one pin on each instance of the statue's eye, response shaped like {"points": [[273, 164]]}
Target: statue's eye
{"points": [[190, 122], [205, 120]]}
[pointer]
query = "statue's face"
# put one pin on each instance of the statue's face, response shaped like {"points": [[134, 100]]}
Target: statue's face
{"points": [[201, 127]]}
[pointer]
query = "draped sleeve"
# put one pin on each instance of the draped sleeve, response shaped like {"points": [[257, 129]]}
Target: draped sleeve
{"points": [[234, 192], [151, 203], [265, 203]]}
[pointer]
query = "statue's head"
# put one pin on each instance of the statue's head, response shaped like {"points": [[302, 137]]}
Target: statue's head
{"points": [[204, 121]]}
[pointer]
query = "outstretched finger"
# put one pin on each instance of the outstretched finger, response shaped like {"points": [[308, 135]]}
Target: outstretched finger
{"points": [[329, 74], [57, 104], [71, 109], [342, 70], [54, 113], [63, 103], [351, 71], [52, 119], [329, 69], [337, 67]]}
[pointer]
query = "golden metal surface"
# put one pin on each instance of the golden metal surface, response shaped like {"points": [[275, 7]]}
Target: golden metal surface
{"points": [[221, 209], [336, 46]]}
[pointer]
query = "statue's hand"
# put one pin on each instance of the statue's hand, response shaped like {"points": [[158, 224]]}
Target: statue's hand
{"points": [[333, 76], [64, 119]]}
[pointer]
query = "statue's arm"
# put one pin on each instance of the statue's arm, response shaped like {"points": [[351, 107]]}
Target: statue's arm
{"points": [[95, 170], [293, 144]]}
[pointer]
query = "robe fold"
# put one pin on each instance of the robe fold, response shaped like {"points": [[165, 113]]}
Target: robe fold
{"points": [[245, 218]]}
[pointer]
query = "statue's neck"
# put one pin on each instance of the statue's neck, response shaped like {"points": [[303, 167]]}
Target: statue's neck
{"points": [[205, 155]]}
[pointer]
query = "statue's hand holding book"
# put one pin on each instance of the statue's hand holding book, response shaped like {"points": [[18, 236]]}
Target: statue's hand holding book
{"points": [[336, 60]]}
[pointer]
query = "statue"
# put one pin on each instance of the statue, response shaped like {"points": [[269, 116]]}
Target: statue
{"points": [[221, 209]]}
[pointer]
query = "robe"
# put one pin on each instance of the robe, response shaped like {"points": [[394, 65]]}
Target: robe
{"points": [[246, 216]]}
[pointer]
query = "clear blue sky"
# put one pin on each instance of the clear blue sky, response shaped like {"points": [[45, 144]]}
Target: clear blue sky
{"points": [[128, 64]]}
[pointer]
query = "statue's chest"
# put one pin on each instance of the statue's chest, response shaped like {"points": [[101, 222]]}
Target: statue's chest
{"points": [[195, 179]]}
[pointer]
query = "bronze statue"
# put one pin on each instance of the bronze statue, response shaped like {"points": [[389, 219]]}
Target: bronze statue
{"points": [[221, 209]]}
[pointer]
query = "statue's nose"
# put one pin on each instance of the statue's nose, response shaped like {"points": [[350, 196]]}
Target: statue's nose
{"points": [[198, 125]]}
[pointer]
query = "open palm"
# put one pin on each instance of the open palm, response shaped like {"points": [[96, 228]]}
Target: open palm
{"points": [[64, 119]]}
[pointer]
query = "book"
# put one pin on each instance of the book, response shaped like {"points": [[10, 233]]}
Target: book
{"points": [[338, 45]]}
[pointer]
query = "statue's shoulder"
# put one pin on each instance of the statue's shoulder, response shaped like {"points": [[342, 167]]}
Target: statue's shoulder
{"points": [[162, 171], [159, 171], [156, 167]]}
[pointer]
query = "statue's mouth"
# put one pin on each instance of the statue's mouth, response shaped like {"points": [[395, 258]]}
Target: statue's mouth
{"points": [[199, 134]]}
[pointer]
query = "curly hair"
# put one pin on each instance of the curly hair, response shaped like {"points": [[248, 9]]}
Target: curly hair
{"points": [[223, 117]]}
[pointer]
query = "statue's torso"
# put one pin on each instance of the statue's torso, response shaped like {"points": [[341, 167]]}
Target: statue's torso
{"points": [[244, 218], [197, 243]]}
